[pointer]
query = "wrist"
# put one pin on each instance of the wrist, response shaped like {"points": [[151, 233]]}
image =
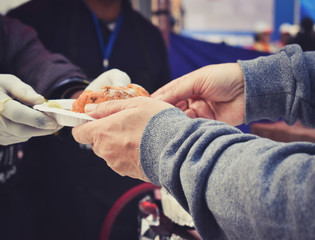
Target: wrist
{"points": [[68, 88]]}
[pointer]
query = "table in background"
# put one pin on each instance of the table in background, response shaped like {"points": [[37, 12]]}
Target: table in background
{"points": [[281, 132]]}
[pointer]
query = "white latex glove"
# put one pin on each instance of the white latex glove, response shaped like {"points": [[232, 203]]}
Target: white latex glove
{"points": [[113, 77], [18, 122]]}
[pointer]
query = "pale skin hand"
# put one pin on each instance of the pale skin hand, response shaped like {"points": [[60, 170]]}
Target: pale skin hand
{"points": [[213, 92], [116, 135]]}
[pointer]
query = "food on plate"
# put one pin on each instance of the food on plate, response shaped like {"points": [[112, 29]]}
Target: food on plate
{"points": [[108, 93], [53, 104]]}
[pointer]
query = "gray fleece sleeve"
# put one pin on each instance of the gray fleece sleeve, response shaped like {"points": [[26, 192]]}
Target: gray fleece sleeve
{"points": [[235, 185], [281, 85]]}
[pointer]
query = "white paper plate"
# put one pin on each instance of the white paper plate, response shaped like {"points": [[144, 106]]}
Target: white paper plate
{"points": [[64, 117]]}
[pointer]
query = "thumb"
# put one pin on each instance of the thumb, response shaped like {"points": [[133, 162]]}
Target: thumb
{"points": [[176, 90], [118, 77], [113, 77], [27, 95], [20, 90]]}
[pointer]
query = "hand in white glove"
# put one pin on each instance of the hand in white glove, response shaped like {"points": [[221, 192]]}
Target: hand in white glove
{"points": [[19, 122], [113, 77]]}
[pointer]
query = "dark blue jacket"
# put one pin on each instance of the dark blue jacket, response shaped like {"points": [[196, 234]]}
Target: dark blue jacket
{"points": [[66, 27]]}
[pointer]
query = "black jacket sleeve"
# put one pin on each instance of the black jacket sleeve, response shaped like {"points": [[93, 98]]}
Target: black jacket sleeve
{"points": [[24, 56]]}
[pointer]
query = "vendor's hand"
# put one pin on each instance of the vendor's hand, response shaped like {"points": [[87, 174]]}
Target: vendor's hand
{"points": [[19, 122], [214, 92], [116, 135], [113, 77]]}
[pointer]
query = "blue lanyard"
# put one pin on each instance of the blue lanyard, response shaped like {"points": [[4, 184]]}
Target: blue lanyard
{"points": [[106, 50]]}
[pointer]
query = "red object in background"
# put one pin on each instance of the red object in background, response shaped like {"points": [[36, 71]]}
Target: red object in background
{"points": [[120, 204]]}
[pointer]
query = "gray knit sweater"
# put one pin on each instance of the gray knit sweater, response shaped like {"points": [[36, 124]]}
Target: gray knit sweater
{"points": [[236, 185]]}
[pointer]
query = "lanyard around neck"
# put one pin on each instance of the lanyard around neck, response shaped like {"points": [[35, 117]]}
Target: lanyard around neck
{"points": [[106, 49]]}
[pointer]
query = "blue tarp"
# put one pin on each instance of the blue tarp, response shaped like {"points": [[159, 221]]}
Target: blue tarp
{"points": [[187, 54]]}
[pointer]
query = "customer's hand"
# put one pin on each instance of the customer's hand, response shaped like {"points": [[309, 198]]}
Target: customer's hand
{"points": [[18, 122], [116, 135], [214, 92]]}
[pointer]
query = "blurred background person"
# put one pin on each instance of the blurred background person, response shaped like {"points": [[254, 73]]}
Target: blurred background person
{"points": [[71, 189], [263, 38], [306, 36], [285, 30]]}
